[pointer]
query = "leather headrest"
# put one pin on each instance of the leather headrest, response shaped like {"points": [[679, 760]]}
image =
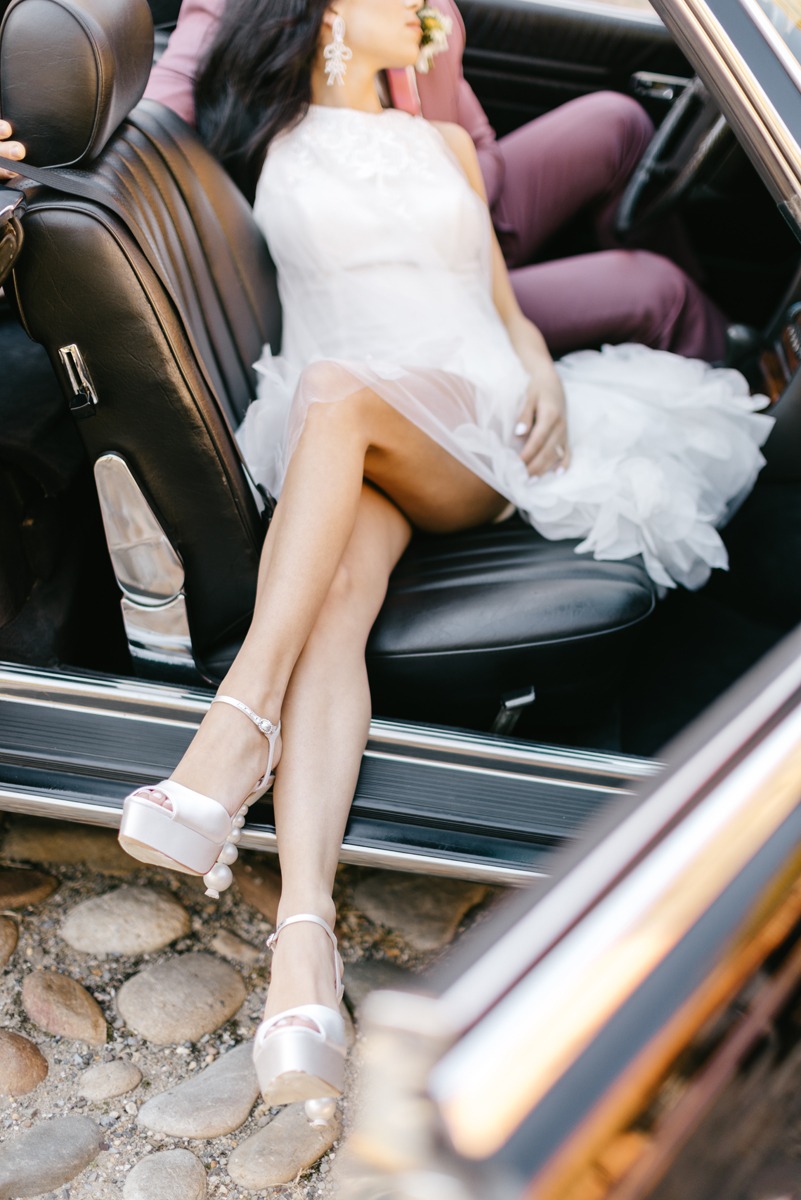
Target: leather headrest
{"points": [[70, 72]]}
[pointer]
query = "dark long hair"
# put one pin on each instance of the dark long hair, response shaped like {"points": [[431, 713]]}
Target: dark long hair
{"points": [[256, 80]]}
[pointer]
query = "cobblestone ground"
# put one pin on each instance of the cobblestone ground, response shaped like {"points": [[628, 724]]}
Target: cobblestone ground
{"points": [[105, 960], [128, 1001]]}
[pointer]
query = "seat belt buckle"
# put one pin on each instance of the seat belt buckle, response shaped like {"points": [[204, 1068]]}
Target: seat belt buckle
{"points": [[11, 235]]}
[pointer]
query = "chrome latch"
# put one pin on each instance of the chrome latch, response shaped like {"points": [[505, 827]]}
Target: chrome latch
{"points": [[84, 399], [512, 705], [14, 208]]}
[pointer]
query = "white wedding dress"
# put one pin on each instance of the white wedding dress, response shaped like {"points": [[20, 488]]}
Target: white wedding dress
{"points": [[383, 257]]}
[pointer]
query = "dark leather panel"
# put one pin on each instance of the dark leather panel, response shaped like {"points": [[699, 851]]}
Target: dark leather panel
{"points": [[444, 594], [70, 73], [523, 58], [84, 280], [473, 616]]}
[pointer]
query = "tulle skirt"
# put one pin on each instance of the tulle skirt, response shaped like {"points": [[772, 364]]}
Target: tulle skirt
{"points": [[663, 448]]}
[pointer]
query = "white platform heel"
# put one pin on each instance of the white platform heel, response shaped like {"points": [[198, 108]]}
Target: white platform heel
{"points": [[303, 1061], [173, 826]]}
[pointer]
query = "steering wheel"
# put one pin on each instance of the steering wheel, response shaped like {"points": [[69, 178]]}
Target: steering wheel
{"points": [[686, 148]]}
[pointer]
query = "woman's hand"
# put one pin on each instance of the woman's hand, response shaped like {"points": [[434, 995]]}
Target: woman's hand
{"points": [[9, 149], [542, 426]]}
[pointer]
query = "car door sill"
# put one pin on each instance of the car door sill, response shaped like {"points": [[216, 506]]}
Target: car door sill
{"points": [[429, 799]]}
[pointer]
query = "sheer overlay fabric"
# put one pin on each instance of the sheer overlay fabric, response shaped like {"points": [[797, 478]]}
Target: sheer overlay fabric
{"points": [[383, 254]]}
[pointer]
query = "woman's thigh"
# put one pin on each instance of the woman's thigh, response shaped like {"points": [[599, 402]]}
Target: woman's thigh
{"points": [[435, 491]]}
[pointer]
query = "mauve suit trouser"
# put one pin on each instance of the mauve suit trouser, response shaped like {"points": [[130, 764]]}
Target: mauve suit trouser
{"points": [[576, 160]]}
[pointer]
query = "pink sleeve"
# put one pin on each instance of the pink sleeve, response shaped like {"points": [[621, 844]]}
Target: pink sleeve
{"points": [[472, 117], [446, 95], [172, 79]]}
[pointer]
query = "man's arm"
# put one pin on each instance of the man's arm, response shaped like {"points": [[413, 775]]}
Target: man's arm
{"points": [[445, 95], [471, 116], [172, 79]]}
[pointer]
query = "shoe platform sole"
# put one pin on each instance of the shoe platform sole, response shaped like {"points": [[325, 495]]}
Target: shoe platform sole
{"points": [[151, 835], [293, 1086]]}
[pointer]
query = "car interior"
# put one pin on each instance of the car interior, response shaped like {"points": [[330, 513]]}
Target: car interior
{"points": [[143, 292]]}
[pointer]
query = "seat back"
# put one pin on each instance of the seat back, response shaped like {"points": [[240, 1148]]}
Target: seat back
{"points": [[154, 351]]}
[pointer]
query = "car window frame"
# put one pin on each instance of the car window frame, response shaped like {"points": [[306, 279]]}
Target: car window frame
{"points": [[752, 87]]}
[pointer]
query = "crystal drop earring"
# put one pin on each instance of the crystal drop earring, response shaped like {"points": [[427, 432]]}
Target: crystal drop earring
{"points": [[336, 54]]}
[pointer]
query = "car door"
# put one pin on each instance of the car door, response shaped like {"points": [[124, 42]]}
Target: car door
{"points": [[524, 57]]}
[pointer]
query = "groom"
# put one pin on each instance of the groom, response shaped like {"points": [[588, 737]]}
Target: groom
{"points": [[576, 159]]}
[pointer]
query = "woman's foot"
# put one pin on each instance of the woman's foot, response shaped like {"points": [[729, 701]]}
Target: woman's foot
{"points": [[178, 825], [299, 1049]]}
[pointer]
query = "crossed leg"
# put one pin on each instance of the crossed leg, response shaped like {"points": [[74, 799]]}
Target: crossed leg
{"points": [[331, 546]]}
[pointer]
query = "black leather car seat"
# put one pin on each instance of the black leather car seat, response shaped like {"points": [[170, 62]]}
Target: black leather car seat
{"points": [[152, 308]]}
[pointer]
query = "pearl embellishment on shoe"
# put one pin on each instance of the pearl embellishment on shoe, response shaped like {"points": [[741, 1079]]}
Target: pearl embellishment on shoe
{"points": [[320, 1111], [218, 879], [229, 854], [220, 876]]}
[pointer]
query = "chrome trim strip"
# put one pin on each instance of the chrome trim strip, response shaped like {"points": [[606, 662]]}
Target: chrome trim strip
{"points": [[27, 802], [145, 700], [508, 750], [579, 987], [139, 697], [495, 772]]}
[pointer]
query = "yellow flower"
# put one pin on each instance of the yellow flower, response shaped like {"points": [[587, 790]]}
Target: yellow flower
{"points": [[436, 27]]}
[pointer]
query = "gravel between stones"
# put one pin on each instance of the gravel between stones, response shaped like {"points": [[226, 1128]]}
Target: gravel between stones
{"points": [[377, 951]]}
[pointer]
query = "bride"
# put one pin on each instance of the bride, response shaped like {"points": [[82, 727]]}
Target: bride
{"points": [[410, 392]]}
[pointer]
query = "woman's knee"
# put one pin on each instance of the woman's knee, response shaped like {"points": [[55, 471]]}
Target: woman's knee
{"points": [[332, 397]]}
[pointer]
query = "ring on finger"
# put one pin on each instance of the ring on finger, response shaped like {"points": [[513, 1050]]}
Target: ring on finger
{"points": [[559, 451]]}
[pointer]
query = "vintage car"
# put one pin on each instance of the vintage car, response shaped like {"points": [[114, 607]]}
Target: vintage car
{"points": [[130, 532]]}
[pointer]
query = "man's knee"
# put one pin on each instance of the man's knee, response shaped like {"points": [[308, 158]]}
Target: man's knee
{"points": [[625, 119], [660, 292]]}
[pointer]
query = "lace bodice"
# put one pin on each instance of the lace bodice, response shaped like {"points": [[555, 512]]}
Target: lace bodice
{"points": [[379, 241]]}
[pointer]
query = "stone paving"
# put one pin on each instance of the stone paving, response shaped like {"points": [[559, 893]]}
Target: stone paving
{"points": [[128, 1000]]}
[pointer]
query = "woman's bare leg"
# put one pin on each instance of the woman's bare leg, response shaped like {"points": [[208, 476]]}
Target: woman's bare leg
{"points": [[327, 716], [342, 443]]}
